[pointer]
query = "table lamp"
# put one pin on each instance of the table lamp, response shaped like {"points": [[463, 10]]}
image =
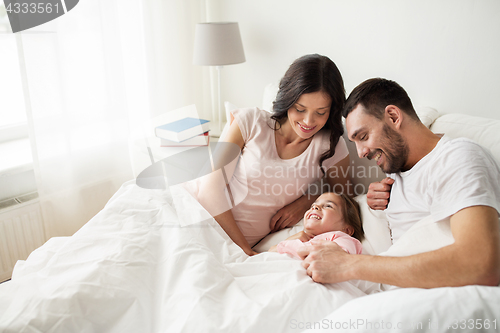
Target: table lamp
{"points": [[218, 44]]}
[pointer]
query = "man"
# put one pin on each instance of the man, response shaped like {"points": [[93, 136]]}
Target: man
{"points": [[428, 175]]}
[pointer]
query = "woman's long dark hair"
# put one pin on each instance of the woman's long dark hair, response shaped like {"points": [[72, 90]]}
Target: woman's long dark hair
{"points": [[308, 74]]}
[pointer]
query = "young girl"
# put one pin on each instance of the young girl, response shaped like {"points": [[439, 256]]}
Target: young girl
{"points": [[333, 217]]}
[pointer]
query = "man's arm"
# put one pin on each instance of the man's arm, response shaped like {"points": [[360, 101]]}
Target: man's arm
{"points": [[474, 258]]}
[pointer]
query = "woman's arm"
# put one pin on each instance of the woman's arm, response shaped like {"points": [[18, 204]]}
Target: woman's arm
{"points": [[212, 196], [228, 224]]}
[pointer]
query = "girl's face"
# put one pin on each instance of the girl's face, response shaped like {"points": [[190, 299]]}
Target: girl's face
{"points": [[309, 114], [325, 215]]}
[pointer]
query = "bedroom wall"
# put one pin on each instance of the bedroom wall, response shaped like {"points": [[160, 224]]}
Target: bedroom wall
{"points": [[444, 53]]}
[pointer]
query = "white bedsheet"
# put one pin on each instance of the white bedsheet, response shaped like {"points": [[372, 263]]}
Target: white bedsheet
{"points": [[133, 268], [410, 310]]}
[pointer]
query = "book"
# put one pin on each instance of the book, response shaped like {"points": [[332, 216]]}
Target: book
{"points": [[182, 129], [200, 140]]}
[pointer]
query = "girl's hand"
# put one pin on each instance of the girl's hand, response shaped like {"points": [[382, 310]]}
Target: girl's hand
{"points": [[273, 249], [302, 236]]}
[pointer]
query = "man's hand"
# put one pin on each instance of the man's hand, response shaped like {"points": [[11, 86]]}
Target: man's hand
{"points": [[379, 193], [326, 262]]}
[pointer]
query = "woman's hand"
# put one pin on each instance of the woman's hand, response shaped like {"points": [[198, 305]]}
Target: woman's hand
{"points": [[250, 252], [287, 216], [292, 213]]}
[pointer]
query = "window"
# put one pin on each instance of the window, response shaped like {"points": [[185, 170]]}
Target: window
{"points": [[16, 169], [12, 108]]}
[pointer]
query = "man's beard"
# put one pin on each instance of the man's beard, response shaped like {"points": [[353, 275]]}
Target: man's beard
{"points": [[395, 151]]}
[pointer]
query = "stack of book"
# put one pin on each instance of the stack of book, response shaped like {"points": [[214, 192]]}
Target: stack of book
{"points": [[184, 132]]}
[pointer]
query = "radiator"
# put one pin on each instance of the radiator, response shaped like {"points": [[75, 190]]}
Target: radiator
{"points": [[21, 232]]}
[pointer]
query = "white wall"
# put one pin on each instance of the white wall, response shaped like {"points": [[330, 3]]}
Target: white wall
{"points": [[174, 81], [444, 53]]}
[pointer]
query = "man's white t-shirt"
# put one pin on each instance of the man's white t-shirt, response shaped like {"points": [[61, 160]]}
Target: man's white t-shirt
{"points": [[456, 174]]}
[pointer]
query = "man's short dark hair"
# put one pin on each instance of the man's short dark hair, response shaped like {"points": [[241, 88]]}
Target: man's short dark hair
{"points": [[375, 94]]}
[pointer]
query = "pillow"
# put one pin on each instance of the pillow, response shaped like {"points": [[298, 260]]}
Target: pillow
{"points": [[481, 130], [228, 106], [279, 236], [269, 96], [376, 227], [426, 115]]}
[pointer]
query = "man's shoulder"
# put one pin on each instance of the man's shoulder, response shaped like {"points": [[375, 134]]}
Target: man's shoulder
{"points": [[463, 150], [461, 143]]}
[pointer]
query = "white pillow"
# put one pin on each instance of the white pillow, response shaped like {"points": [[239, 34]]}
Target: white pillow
{"points": [[427, 115], [228, 107], [279, 236], [269, 96], [484, 131]]}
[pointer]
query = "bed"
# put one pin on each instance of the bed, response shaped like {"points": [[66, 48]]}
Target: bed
{"points": [[140, 266]]}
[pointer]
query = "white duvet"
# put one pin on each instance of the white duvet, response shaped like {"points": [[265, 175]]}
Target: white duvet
{"points": [[135, 267], [132, 268]]}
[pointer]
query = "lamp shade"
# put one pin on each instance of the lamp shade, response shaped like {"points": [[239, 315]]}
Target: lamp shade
{"points": [[218, 44]]}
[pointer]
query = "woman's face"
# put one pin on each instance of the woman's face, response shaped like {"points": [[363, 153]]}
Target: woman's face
{"points": [[309, 114], [325, 215]]}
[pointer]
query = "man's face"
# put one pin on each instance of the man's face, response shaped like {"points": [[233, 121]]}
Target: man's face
{"points": [[375, 139]]}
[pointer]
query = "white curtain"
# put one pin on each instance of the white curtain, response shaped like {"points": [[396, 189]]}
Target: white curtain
{"points": [[92, 78]]}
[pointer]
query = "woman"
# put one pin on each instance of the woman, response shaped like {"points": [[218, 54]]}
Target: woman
{"points": [[284, 153]]}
